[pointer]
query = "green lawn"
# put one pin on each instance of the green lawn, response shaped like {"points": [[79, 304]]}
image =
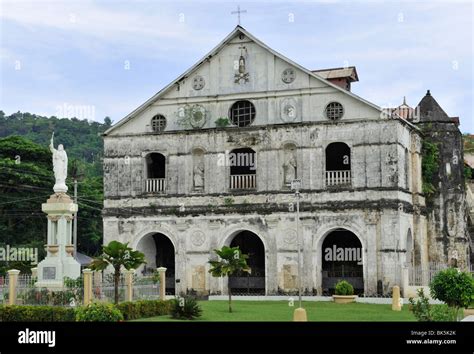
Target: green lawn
{"points": [[280, 311]]}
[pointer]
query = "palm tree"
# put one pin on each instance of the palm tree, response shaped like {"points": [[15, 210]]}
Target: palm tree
{"points": [[118, 255], [231, 260]]}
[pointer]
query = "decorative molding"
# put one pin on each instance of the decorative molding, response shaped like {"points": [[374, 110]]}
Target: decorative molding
{"points": [[289, 237], [198, 238]]}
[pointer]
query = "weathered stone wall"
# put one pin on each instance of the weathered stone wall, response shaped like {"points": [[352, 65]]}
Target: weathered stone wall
{"points": [[377, 156], [382, 234], [378, 206], [447, 209]]}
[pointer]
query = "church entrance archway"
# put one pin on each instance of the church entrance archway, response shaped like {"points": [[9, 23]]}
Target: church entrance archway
{"points": [[159, 252], [342, 254], [253, 283]]}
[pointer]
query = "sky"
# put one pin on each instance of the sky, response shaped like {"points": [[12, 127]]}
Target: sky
{"points": [[94, 59]]}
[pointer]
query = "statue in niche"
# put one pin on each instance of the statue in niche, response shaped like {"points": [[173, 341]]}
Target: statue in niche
{"points": [[290, 166], [198, 174], [451, 219], [242, 75]]}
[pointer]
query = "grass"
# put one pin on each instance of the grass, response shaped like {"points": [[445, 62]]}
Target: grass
{"points": [[281, 311]]}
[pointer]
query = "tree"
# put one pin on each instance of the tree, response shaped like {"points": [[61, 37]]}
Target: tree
{"points": [[231, 261], [107, 121], [118, 255], [454, 287]]}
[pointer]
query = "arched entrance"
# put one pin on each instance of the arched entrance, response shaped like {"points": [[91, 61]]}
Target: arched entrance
{"points": [[159, 252], [342, 257], [253, 283]]}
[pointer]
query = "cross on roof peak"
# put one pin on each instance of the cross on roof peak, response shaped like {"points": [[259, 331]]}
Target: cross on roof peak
{"points": [[238, 12]]}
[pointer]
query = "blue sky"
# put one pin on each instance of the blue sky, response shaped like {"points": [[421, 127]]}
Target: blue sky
{"points": [[113, 55]]}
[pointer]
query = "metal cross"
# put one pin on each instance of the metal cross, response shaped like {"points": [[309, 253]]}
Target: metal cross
{"points": [[238, 12]]}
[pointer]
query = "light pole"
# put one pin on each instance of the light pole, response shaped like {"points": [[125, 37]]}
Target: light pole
{"points": [[300, 312]]}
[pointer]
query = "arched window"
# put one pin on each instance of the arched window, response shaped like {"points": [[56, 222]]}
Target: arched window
{"points": [[338, 164], [155, 173], [242, 113], [243, 169]]}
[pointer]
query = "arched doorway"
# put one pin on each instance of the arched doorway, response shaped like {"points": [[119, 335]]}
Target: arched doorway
{"points": [[253, 283], [342, 256], [159, 252]]}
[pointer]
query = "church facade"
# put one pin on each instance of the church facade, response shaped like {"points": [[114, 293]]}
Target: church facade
{"points": [[209, 160]]}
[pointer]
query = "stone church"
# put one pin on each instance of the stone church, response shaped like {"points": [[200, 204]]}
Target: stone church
{"points": [[208, 161]]}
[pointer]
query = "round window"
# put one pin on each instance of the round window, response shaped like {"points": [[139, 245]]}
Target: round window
{"points": [[242, 113], [158, 123], [334, 111]]}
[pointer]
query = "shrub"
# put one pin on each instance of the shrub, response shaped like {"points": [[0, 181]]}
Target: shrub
{"points": [[144, 309], [344, 288], [429, 166], [453, 287], [98, 312], [222, 122], [36, 314], [185, 308], [442, 313], [421, 307], [425, 312]]}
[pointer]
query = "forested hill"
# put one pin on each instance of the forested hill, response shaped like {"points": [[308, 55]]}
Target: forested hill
{"points": [[26, 179], [80, 137]]}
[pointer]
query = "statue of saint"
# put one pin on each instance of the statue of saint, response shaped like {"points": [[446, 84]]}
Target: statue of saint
{"points": [[290, 169], [199, 175], [59, 167]]}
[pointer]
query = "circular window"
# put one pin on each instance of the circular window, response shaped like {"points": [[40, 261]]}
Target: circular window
{"points": [[242, 113], [334, 111], [288, 75], [158, 123], [198, 82]]}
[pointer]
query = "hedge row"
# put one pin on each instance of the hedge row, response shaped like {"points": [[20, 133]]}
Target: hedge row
{"points": [[144, 309], [129, 310], [36, 314]]}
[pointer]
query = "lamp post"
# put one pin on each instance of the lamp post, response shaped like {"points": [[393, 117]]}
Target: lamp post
{"points": [[300, 312]]}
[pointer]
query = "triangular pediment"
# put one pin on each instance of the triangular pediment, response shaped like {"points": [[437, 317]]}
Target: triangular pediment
{"points": [[241, 67]]}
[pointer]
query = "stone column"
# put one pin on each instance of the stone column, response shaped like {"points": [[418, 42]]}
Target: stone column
{"points": [[396, 303], [405, 281], [34, 272], [12, 283], [129, 284], [87, 286], [162, 272]]}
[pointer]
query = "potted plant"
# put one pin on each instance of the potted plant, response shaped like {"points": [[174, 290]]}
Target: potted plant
{"points": [[344, 293]]}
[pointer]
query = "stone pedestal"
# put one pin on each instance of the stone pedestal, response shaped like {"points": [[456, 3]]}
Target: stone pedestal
{"points": [[59, 261], [162, 272], [299, 315], [396, 302]]}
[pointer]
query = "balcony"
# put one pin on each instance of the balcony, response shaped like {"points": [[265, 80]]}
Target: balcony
{"points": [[338, 178], [243, 181], [155, 185]]}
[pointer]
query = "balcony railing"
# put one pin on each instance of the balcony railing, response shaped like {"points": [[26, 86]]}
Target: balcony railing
{"points": [[153, 185], [243, 181], [338, 178]]}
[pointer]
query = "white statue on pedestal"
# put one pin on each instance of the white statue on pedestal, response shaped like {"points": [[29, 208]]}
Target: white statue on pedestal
{"points": [[59, 167]]}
